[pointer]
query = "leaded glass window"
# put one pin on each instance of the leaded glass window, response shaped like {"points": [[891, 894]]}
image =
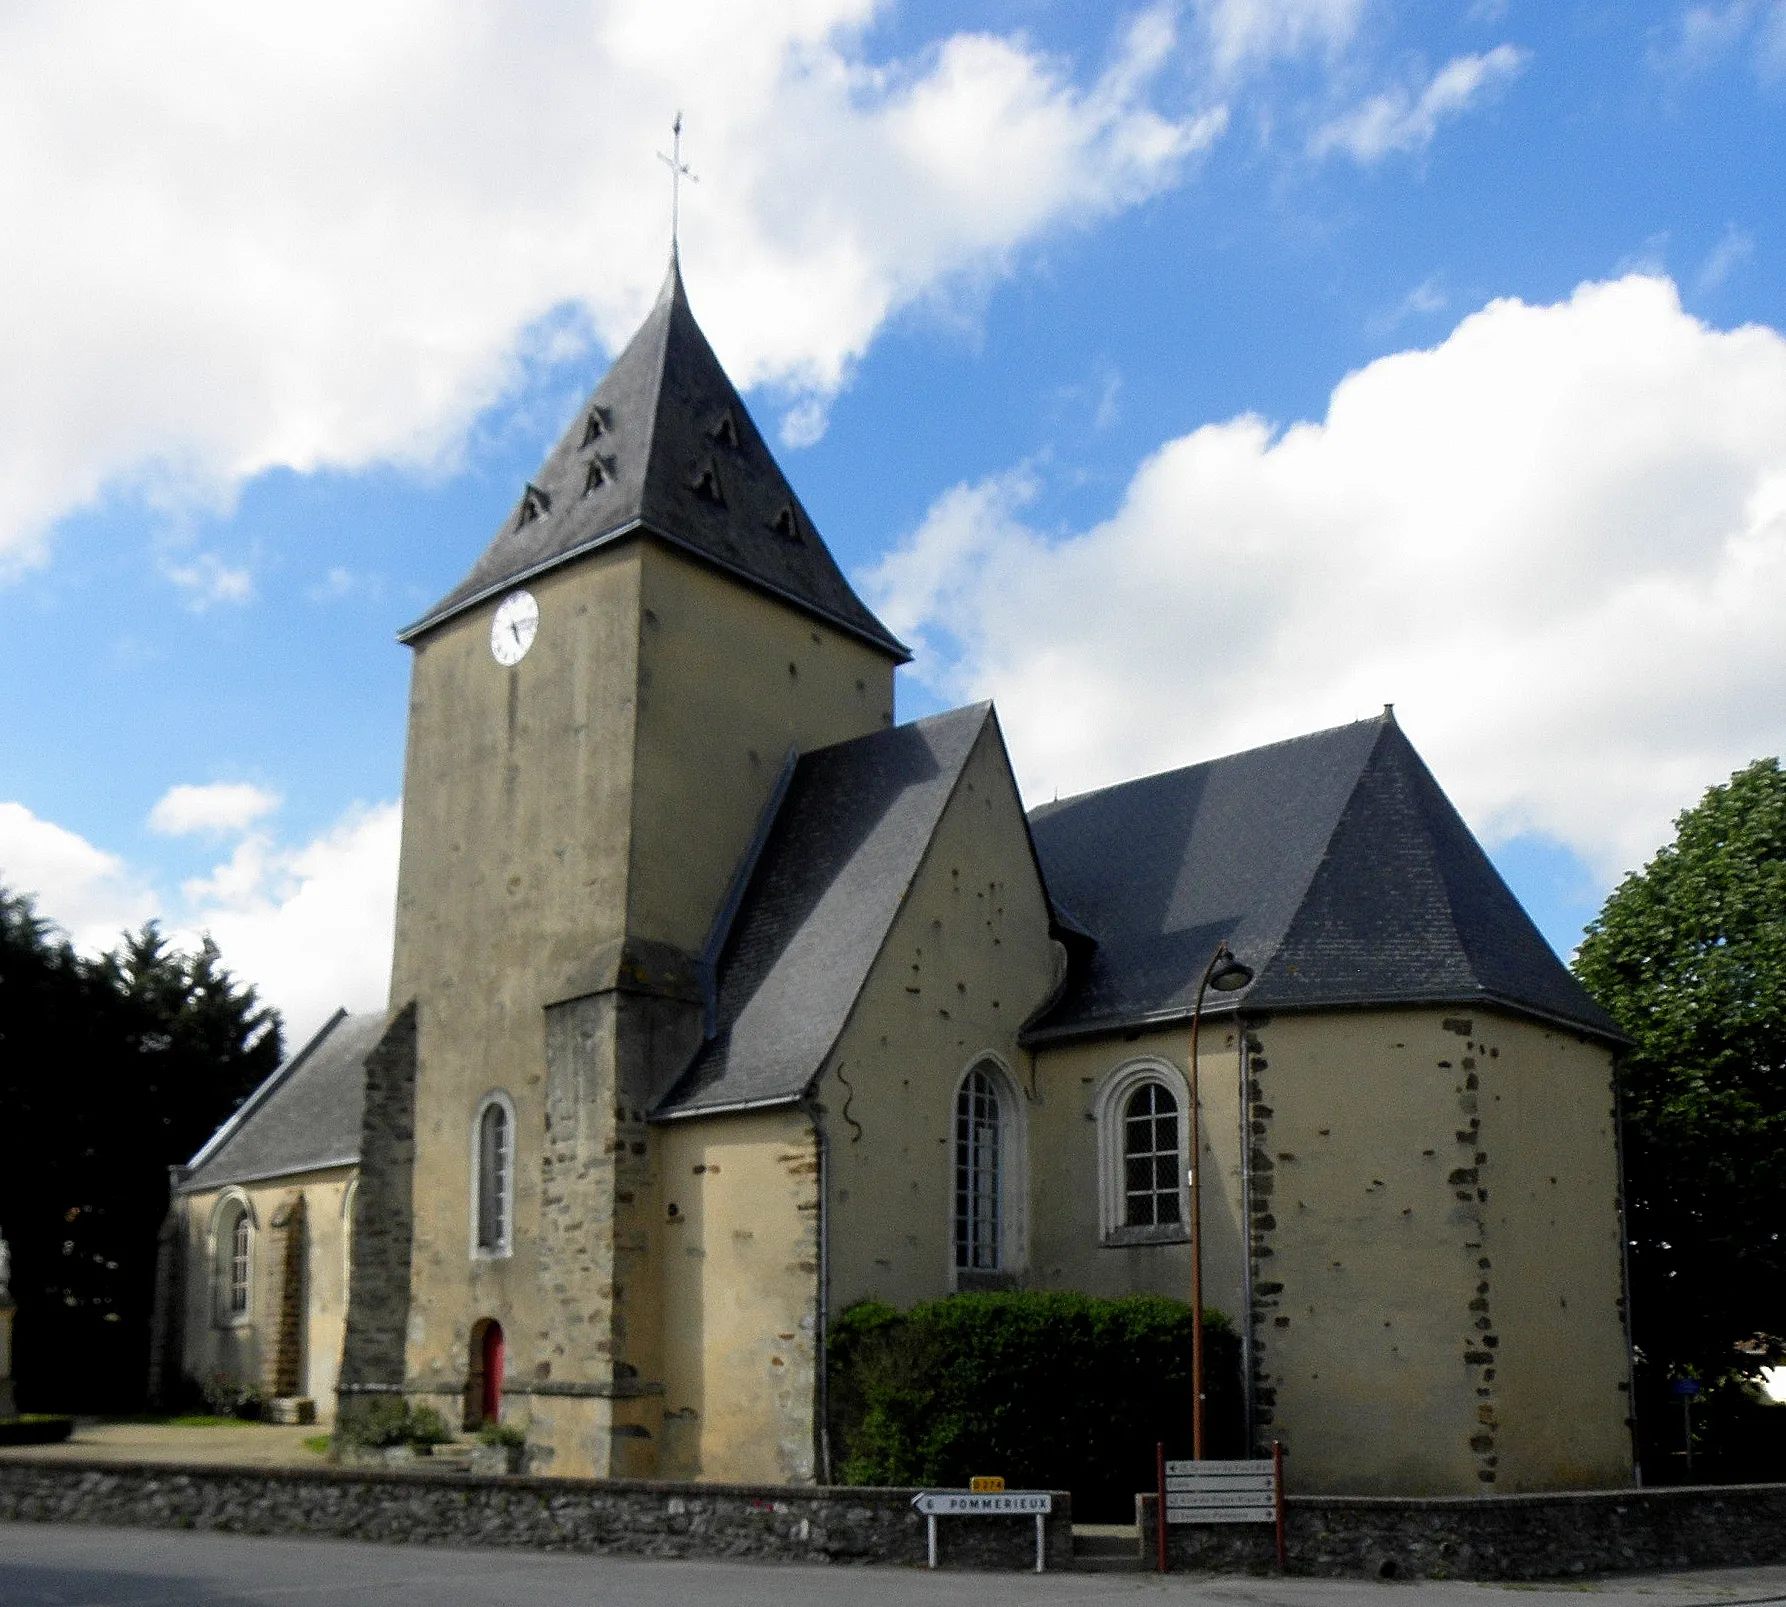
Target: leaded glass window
{"points": [[1150, 1157], [240, 1237], [978, 1172], [494, 1159]]}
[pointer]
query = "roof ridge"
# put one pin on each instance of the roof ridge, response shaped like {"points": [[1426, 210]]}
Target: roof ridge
{"points": [[942, 809], [669, 292], [907, 789], [1318, 863], [1386, 718]]}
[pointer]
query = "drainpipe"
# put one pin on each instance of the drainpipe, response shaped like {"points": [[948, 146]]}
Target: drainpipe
{"points": [[1246, 1234], [1618, 1140], [822, 1338]]}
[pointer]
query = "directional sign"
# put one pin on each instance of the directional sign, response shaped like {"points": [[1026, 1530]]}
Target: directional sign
{"points": [[1220, 1492], [987, 1503]]}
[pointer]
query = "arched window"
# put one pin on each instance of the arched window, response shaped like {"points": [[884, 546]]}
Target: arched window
{"points": [[232, 1238], [239, 1244], [1150, 1158], [1142, 1165], [493, 1177], [979, 1168]]}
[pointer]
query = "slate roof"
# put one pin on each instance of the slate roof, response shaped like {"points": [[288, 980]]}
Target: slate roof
{"points": [[302, 1118], [1333, 865], [850, 834], [666, 446]]}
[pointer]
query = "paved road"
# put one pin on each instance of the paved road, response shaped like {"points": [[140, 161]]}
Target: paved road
{"points": [[50, 1565]]}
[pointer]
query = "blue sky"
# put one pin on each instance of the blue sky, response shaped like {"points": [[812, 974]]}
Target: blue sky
{"points": [[1053, 310]]}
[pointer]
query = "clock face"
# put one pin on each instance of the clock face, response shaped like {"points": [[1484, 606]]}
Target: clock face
{"points": [[514, 627]]}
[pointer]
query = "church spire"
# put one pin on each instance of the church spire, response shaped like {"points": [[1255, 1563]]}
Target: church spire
{"points": [[666, 448]]}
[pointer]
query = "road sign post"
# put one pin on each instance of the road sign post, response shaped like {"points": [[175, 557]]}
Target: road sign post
{"points": [[936, 1504], [1221, 1492]]}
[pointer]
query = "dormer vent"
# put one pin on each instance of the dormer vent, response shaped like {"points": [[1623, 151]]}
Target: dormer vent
{"points": [[786, 523], [705, 483], [725, 432], [601, 471], [535, 504], [595, 426]]}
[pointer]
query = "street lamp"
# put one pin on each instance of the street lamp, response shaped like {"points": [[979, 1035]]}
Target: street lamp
{"points": [[1225, 974]]}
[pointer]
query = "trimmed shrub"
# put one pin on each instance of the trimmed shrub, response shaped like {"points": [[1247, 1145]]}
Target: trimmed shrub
{"points": [[1049, 1390], [386, 1421]]}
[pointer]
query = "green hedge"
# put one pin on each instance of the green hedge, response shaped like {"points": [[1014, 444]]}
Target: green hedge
{"points": [[1052, 1391]]}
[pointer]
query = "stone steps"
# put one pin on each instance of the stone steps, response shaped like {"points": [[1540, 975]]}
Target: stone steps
{"points": [[1106, 1548]]}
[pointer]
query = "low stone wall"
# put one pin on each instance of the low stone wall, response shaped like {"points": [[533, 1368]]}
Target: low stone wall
{"points": [[617, 1517], [1493, 1537]]}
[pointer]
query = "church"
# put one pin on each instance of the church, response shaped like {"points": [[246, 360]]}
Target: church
{"points": [[721, 1002]]}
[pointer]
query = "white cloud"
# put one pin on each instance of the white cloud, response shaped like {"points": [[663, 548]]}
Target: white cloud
{"points": [[1703, 34], [222, 806], [92, 895], [1401, 120], [1735, 246], [1245, 32], [316, 235], [1556, 541], [207, 579], [310, 926]]}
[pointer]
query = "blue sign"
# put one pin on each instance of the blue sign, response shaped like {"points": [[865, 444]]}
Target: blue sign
{"points": [[1686, 1386]]}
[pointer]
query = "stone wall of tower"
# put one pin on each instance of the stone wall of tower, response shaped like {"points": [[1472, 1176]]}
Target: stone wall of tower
{"points": [[572, 825], [728, 683]]}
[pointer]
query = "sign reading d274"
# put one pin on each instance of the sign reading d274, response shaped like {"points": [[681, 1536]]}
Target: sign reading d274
{"points": [[988, 1503]]}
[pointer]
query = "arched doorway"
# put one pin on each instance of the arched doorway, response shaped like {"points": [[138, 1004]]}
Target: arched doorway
{"points": [[483, 1378]]}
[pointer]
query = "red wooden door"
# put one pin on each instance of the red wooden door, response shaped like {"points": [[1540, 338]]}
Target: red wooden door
{"points": [[492, 1359]]}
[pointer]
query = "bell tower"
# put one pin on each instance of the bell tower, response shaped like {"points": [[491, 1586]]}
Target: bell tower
{"points": [[601, 716]]}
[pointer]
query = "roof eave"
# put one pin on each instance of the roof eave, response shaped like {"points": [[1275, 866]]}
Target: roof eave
{"points": [[890, 645], [736, 1107], [1110, 1026], [242, 1179]]}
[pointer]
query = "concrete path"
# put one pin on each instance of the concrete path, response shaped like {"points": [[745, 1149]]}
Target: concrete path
{"points": [[240, 1444], [45, 1564]]}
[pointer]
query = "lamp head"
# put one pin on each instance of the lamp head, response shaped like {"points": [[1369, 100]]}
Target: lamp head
{"points": [[1228, 974]]}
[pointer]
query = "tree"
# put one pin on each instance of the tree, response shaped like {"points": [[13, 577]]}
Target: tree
{"points": [[111, 1071], [1689, 954]]}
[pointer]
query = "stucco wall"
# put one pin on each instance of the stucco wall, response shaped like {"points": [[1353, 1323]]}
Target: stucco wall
{"points": [[1072, 1140], [738, 1226], [966, 961], [212, 1343], [727, 683], [1438, 1276]]}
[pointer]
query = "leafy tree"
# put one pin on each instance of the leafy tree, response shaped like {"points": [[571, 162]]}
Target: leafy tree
{"points": [[1689, 954], [111, 1071]]}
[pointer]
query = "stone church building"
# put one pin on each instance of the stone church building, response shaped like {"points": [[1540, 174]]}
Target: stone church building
{"points": [[721, 1002]]}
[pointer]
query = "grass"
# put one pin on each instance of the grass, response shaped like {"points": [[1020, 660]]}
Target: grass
{"points": [[317, 1443], [183, 1420]]}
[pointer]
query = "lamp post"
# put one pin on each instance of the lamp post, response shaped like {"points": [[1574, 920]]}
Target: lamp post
{"points": [[1225, 974]]}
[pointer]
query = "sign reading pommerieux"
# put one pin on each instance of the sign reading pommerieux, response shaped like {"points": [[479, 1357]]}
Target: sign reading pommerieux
{"points": [[982, 1503]]}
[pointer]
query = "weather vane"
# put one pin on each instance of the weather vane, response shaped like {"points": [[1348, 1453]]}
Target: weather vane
{"points": [[679, 170]]}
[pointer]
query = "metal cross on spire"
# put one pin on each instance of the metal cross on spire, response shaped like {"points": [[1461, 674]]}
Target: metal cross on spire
{"points": [[679, 170]]}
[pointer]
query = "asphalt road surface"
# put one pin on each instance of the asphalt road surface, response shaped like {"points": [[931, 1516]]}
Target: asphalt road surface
{"points": [[52, 1565]]}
